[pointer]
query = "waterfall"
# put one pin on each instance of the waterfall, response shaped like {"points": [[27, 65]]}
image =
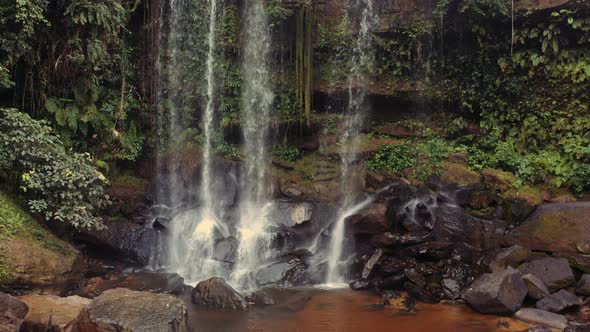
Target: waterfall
{"points": [[194, 231], [257, 97], [360, 63]]}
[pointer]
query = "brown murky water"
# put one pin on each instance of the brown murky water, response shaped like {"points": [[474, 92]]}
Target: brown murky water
{"points": [[348, 311]]}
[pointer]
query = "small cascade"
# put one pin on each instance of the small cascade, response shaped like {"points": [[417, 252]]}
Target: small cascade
{"points": [[361, 61], [257, 96]]}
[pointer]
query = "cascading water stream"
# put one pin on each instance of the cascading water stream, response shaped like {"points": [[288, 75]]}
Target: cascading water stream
{"points": [[194, 231], [361, 60], [254, 238]]}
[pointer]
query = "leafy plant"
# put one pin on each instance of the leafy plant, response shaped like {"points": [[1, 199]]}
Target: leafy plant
{"points": [[287, 153], [61, 186], [394, 158]]}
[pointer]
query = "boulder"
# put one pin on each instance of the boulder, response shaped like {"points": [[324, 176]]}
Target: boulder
{"points": [[578, 261], [499, 292], [554, 272], [584, 285], [393, 265], [538, 316], [131, 242], [536, 287], [53, 313], [126, 310], [12, 313], [453, 224], [216, 293], [558, 301], [371, 220], [282, 273], [553, 227], [371, 263], [393, 282], [511, 256], [291, 213]]}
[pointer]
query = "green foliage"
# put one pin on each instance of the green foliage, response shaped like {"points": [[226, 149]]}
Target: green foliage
{"points": [[287, 153], [395, 158], [62, 186]]}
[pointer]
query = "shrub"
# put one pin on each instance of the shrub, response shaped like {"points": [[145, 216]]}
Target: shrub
{"points": [[62, 186]]}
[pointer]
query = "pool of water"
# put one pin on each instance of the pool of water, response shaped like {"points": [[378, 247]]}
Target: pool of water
{"points": [[347, 311]]}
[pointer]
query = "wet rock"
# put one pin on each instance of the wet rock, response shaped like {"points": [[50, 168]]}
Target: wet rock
{"points": [[131, 242], [371, 220], [361, 284], [391, 239], [584, 285], [554, 272], [394, 265], [496, 293], [292, 213], [216, 293], [511, 256], [393, 282], [52, 313], [553, 228], [162, 222], [260, 298], [126, 310], [12, 313], [558, 301], [282, 274], [536, 287], [226, 250], [430, 250], [455, 225], [371, 263], [420, 293], [415, 277], [538, 316], [283, 298], [451, 289]]}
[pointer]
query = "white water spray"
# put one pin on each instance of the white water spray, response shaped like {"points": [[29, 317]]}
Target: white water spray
{"points": [[254, 238], [361, 61]]}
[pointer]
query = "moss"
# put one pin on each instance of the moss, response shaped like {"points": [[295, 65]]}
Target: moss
{"points": [[129, 180], [18, 229], [532, 194]]}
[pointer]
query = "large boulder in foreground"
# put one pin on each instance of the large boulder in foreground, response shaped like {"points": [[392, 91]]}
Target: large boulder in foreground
{"points": [[497, 293], [561, 227], [52, 313], [154, 282], [12, 312], [554, 272], [216, 293], [122, 309]]}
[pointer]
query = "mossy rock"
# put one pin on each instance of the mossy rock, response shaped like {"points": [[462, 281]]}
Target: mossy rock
{"points": [[498, 180], [455, 173], [554, 228], [31, 257]]}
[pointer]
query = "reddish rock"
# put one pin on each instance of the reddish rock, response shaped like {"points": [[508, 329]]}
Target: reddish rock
{"points": [[371, 220]]}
